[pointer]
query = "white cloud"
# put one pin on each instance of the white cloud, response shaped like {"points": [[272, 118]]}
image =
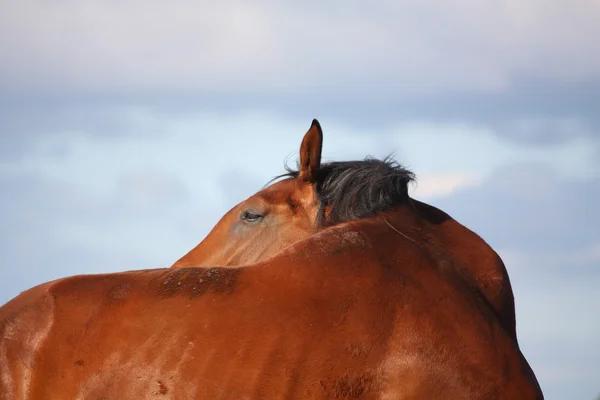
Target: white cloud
{"points": [[385, 48], [438, 185]]}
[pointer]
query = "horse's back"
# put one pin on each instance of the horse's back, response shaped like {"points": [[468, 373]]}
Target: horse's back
{"points": [[192, 333], [334, 317]]}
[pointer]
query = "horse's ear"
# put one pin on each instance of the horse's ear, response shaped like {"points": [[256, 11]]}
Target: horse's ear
{"points": [[310, 152]]}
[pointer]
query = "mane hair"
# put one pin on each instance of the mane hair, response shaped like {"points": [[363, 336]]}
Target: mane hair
{"points": [[358, 189]]}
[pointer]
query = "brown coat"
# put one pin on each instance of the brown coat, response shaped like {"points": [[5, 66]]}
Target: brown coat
{"points": [[355, 311]]}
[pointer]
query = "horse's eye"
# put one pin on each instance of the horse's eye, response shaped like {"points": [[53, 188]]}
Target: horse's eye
{"points": [[251, 216]]}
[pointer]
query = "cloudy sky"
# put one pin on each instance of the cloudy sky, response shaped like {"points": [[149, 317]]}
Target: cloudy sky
{"points": [[128, 128]]}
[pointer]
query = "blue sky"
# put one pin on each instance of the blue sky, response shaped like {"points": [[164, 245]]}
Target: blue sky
{"points": [[127, 129]]}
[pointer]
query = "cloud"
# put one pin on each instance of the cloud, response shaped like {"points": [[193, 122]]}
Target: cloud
{"points": [[44, 127], [527, 72], [441, 185], [536, 130], [546, 118], [151, 190], [533, 205], [260, 141], [271, 46]]}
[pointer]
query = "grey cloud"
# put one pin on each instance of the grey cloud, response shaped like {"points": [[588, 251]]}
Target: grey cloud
{"points": [[530, 115], [24, 120], [414, 46], [531, 205], [532, 75]]}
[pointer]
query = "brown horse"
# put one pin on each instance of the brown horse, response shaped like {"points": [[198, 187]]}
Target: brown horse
{"points": [[337, 285], [318, 196]]}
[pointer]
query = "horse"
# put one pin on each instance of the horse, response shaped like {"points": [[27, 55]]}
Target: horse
{"points": [[330, 283], [318, 196]]}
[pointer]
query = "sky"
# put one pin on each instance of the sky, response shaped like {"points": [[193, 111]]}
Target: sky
{"points": [[128, 128]]}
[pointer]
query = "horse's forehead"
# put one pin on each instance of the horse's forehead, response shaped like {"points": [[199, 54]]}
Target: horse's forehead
{"points": [[282, 191]]}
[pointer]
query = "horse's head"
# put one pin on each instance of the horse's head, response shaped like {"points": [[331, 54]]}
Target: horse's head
{"points": [[315, 196]]}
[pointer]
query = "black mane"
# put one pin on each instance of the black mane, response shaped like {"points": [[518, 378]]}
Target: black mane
{"points": [[358, 189]]}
